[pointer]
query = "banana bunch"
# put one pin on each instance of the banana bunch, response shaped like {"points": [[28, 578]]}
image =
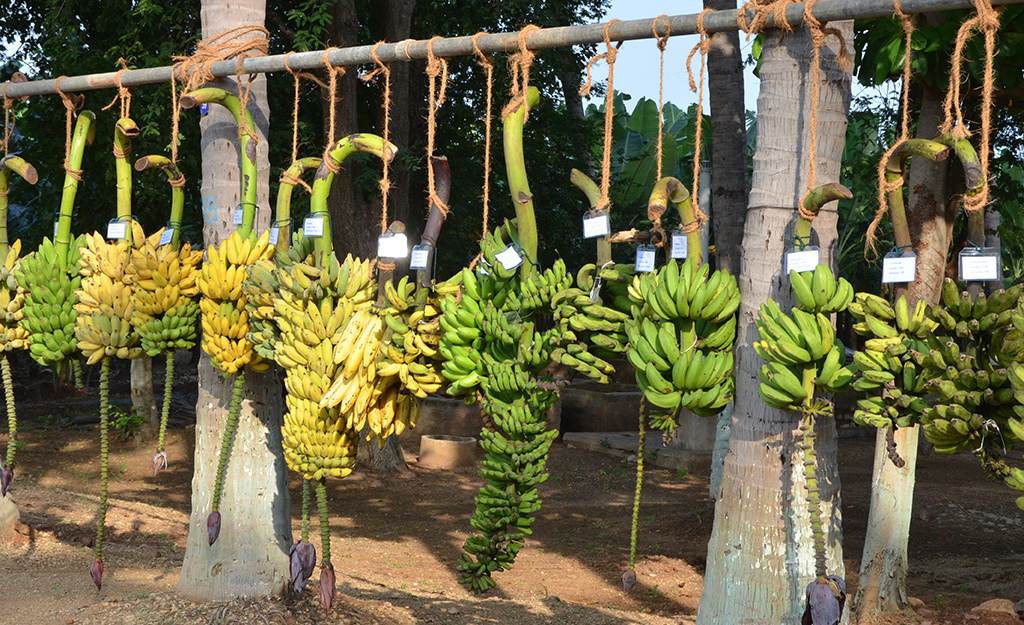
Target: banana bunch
{"points": [[320, 438], [50, 297], [164, 283], [12, 303], [967, 362], [1015, 477], [493, 350], [818, 291], [224, 317], [105, 301], [680, 335], [261, 288], [613, 281], [802, 355]]}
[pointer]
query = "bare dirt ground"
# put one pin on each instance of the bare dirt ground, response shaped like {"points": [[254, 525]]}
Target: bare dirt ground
{"points": [[396, 540]]}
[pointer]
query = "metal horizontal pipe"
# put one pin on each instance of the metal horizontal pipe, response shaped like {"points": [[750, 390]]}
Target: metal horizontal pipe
{"points": [[562, 36]]}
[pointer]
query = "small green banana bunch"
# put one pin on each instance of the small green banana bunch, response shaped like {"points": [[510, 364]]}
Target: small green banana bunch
{"points": [[491, 342], [681, 332], [967, 363], [893, 382], [802, 355], [593, 333], [261, 288], [1015, 476], [50, 296], [818, 291], [12, 303]]}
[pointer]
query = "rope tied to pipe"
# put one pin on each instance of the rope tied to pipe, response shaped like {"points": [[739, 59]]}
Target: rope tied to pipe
{"points": [[662, 44], [485, 61], [610, 53], [519, 69], [71, 106], [385, 179], [124, 94], [437, 67], [702, 46], [333, 72], [297, 76]]}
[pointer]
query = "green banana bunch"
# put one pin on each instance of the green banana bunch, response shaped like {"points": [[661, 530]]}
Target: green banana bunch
{"points": [[819, 291], [50, 297], [967, 361], [491, 343], [802, 355], [681, 331], [261, 287], [894, 384]]}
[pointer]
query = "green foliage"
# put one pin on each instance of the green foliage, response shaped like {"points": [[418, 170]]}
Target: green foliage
{"points": [[126, 423]]}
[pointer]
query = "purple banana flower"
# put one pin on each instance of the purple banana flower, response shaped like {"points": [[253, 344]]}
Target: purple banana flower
{"points": [[326, 586], [628, 580], [6, 475], [825, 600], [96, 571], [303, 561], [159, 462], [213, 526]]}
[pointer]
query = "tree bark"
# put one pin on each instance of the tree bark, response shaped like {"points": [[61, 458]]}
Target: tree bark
{"points": [[882, 585], [760, 556], [250, 558], [9, 518], [142, 396]]}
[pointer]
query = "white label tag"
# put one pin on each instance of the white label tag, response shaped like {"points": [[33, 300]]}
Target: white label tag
{"points": [[804, 260], [980, 265], [420, 257], [313, 226], [680, 245], [274, 233], [56, 227], [899, 267], [596, 224], [645, 258], [509, 258], [167, 236], [393, 246], [237, 217], [117, 230]]}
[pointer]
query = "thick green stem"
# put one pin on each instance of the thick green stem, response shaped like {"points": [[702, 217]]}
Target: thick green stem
{"points": [[76, 374], [671, 190], [325, 524], [593, 193], [307, 497], [519, 186], [969, 160], [124, 130], [12, 418], [177, 181], [212, 95], [283, 210], [84, 135], [8, 164], [165, 411], [639, 486], [104, 453], [813, 497], [228, 438], [333, 158], [813, 203]]}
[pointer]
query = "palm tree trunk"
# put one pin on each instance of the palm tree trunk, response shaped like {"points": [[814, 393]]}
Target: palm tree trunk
{"points": [[760, 556], [250, 558]]}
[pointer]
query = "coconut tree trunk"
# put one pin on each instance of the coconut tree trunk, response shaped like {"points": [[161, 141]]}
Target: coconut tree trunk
{"points": [[250, 558], [142, 395], [882, 585], [9, 518], [760, 556]]}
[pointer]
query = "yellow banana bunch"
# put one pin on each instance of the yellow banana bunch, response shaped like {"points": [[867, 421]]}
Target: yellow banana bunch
{"points": [[220, 282], [318, 439], [105, 303], [12, 303], [354, 387]]}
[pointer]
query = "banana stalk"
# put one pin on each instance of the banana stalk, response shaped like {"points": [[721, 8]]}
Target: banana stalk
{"points": [[593, 193], [124, 131], [813, 203], [177, 182], [333, 158], [515, 167], [302, 557], [431, 232], [160, 458], [212, 95], [96, 568], [8, 164], [326, 568], [85, 134], [283, 212], [213, 520], [669, 189]]}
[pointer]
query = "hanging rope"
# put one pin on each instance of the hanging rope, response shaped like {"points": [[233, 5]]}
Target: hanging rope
{"points": [[437, 67], [987, 20], [702, 46], [763, 9], [662, 44], [519, 69], [70, 112], [333, 72], [9, 127], [609, 113], [287, 177], [385, 179], [485, 61], [123, 95], [885, 187]]}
